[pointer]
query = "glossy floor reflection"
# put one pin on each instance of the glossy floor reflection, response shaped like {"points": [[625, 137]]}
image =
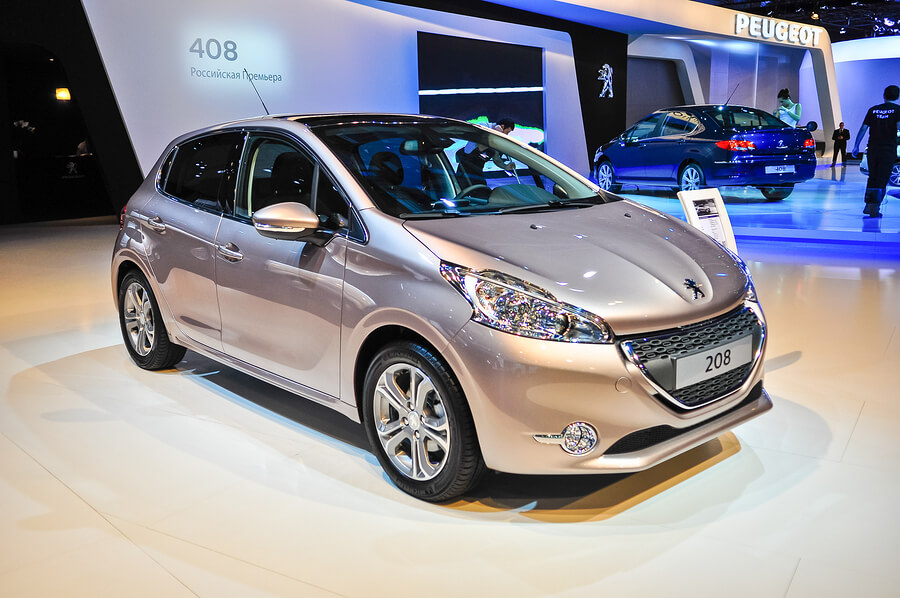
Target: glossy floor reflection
{"points": [[826, 208], [201, 481]]}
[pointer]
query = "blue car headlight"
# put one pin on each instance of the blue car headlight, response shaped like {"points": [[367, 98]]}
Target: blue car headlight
{"points": [[512, 305]]}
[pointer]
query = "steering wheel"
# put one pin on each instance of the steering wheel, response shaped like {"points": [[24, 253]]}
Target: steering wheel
{"points": [[469, 189]]}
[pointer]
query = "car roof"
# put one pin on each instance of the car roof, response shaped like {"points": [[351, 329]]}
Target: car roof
{"points": [[708, 106], [332, 118]]}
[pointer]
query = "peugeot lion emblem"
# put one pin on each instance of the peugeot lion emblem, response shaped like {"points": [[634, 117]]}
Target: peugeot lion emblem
{"points": [[690, 285]]}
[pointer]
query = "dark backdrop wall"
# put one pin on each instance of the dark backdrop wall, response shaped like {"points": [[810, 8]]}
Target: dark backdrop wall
{"points": [[59, 28], [652, 84], [593, 48], [33, 32]]}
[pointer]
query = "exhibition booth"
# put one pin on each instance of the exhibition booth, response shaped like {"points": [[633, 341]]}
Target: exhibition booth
{"points": [[573, 75]]}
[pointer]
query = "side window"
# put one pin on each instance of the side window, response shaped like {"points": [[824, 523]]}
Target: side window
{"points": [[203, 171], [276, 172], [645, 128], [679, 123]]}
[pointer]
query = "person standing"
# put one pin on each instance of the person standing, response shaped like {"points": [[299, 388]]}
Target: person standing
{"points": [[840, 137], [882, 122], [787, 110]]}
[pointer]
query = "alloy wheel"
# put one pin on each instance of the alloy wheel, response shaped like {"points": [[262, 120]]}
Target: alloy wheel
{"points": [[137, 311], [691, 178], [605, 176], [411, 422]]}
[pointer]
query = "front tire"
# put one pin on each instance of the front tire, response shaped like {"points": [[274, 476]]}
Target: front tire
{"points": [[606, 177], [142, 327], [691, 178], [419, 424]]}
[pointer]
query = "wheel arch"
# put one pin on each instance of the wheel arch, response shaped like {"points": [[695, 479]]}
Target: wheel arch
{"points": [[377, 339], [126, 264], [690, 160]]}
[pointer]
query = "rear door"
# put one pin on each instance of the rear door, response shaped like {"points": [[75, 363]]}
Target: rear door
{"points": [[180, 225], [665, 152]]}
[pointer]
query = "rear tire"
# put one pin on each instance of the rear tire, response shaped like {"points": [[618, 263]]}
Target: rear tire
{"points": [[419, 424], [691, 178], [142, 327], [777, 193]]}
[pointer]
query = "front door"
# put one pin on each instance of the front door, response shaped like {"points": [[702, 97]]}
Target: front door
{"points": [[280, 300]]}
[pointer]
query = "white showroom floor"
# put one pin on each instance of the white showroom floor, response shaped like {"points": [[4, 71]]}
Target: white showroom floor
{"points": [[201, 481]]}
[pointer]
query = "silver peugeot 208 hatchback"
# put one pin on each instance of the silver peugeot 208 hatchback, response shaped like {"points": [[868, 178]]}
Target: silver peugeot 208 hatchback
{"points": [[474, 303]]}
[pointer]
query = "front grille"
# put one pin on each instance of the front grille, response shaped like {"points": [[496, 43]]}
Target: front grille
{"points": [[643, 439], [654, 354]]}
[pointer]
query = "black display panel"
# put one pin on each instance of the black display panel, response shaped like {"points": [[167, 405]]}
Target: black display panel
{"points": [[481, 81]]}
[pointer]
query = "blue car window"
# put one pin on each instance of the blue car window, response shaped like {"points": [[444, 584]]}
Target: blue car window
{"points": [[644, 128], [741, 118], [679, 123]]}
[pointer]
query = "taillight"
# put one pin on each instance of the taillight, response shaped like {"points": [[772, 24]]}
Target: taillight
{"points": [[809, 143], [736, 145]]}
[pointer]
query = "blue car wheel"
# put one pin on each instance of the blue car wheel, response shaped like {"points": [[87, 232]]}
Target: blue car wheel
{"points": [[691, 178], [606, 177]]}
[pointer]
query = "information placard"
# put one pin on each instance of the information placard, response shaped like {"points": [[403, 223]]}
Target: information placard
{"points": [[705, 210]]}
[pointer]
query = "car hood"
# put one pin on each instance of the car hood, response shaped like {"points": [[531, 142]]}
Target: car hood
{"points": [[626, 263]]}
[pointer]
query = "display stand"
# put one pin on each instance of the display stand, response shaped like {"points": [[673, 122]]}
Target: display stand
{"points": [[705, 210]]}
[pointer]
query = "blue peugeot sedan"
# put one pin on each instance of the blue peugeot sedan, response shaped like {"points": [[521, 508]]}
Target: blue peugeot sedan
{"points": [[690, 147]]}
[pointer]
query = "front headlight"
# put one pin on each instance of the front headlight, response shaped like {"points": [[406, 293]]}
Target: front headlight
{"points": [[517, 307]]}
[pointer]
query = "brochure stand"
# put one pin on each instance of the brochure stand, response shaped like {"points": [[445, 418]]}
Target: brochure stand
{"points": [[705, 210]]}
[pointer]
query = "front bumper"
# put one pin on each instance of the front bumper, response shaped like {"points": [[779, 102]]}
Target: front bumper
{"points": [[519, 388]]}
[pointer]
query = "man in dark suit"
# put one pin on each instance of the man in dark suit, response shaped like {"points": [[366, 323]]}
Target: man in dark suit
{"points": [[840, 137]]}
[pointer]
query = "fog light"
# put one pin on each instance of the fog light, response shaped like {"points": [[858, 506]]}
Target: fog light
{"points": [[579, 438]]}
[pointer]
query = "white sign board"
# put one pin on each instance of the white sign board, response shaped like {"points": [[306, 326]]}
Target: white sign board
{"points": [[705, 210]]}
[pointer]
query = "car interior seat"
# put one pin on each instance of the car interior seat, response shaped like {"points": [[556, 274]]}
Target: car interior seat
{"points": [[292, 176], [386, 171]]}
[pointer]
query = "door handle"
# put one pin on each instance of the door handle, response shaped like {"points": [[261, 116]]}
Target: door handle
{"points": [[156, 223], [230, 252]]}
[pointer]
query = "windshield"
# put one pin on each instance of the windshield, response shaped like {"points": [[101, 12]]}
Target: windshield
{"points": [[435, 169], [740, 118]]}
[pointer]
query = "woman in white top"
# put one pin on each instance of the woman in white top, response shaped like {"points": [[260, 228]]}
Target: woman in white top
{"points": [[787, 110]]}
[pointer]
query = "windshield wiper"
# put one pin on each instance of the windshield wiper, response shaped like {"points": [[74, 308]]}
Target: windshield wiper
{"points": [[553, 205], [431, 214]]}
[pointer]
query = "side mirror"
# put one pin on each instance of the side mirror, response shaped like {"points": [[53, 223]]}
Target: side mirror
{"points": [[812, 126], [289, 221], [560, 192]]}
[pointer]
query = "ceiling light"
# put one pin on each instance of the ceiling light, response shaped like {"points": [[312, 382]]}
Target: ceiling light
{"points": [[62, 94]]}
